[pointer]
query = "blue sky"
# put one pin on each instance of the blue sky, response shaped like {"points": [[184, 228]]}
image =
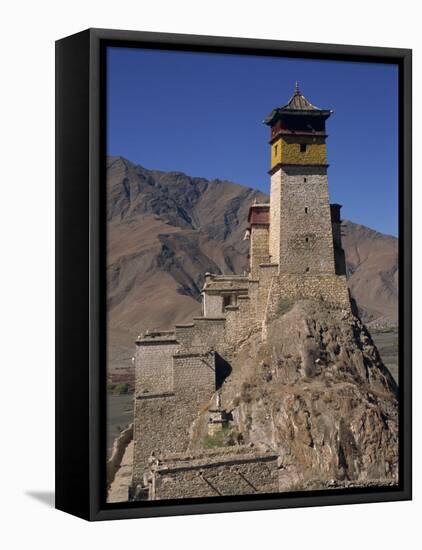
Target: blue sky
{"points": [[202, 114]]}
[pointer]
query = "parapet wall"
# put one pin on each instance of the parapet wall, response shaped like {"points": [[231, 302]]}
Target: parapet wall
{"points": [[227, 471]]}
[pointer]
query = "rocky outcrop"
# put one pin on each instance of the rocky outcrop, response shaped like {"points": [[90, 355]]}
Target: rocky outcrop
{"points": [[317, 393]]}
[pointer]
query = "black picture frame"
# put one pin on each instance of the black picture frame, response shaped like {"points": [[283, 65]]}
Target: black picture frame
{"points": [[81, 272]]}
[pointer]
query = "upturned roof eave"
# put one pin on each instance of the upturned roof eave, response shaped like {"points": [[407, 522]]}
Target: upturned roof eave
{"points": [[276, 113]]}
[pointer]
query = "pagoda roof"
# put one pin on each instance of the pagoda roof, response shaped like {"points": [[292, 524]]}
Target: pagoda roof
{"points": [[297, 105]]}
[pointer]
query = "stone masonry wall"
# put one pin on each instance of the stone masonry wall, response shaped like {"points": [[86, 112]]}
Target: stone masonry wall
{"points": [[194, 375], [266, 274], [231, 471], [275, 220], [259, 247], [202, 335], [213, 305], [153, 416], [287, 288], [154, 365], [240, 321], [250, 312], [303, 220], [162, 422]]}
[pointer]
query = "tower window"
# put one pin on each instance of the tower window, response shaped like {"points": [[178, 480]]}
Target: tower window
{"points": [[304, 179], [306, 208], [303, 147], [306, 239], [275, 150]]}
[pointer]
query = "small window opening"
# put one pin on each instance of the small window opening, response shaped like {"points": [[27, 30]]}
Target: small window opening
{"points": [[306, 239], [303, 147], [275, 150], [304, 179], [307, 269], [226, 301], [306, 208]]}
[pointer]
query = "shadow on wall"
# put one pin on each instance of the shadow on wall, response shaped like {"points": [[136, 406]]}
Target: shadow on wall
{"points": [[45, 497], [222, 370]]}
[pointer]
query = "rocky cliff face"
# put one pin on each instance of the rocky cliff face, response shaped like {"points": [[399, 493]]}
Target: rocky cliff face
{"points": [[318, 394], [166, 230]]}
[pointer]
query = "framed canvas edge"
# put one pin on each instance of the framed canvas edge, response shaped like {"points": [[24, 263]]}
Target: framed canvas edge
{"points": [[72, 368], [98, 510]]}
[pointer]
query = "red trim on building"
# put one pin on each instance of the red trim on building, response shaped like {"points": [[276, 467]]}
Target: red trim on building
{"points": [[259, 214]]}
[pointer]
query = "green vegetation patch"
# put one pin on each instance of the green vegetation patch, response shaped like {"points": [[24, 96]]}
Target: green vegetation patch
{"points": [[284, 306], [226, 437]]}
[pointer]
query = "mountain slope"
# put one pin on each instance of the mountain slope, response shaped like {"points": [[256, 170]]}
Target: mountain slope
{"points": [[166, 230], [372, 270]]}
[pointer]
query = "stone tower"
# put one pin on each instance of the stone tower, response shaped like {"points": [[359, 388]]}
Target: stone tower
{"points": [[300, 235]]}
